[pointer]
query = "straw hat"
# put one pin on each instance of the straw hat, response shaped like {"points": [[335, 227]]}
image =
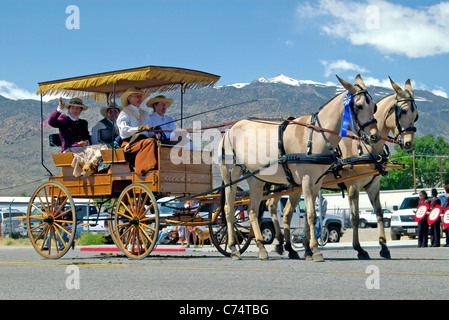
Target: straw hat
{"points": [[76, 102], [130, 91], [104, 110], [159, 99]]}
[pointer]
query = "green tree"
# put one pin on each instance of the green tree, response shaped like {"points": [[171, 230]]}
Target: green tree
{"points": [[432, 162]]}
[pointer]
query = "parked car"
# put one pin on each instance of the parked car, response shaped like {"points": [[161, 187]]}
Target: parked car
{"points": [[403, 218], [369, 219], [96, 223], [10, 227]]}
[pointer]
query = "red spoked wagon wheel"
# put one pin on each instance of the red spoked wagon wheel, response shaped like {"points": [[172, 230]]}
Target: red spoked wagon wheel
{"points": [[136, 221], [51, 220]]}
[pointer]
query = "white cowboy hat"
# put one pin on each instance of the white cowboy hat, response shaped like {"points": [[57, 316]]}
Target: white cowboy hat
{"points": [[76, 102], [130, 91], [104, 110], [159, 99]]}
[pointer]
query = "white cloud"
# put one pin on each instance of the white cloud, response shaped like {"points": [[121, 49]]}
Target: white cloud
{"points": [[388, 27], [333, 67], [12, 91]]}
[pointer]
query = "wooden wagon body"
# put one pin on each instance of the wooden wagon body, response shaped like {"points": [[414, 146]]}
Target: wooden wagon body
{"points": [[188, 175]]}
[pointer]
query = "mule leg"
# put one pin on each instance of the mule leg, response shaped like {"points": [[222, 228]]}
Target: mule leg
{"points": [[292, 202], [353, 195], [309, 197], [374, 196], [229, 207], [306, 241], [256, 193], [272, 206]]}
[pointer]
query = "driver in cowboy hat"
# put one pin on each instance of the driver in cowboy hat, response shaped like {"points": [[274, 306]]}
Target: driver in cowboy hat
{"points": [[110, 115], [134, 125], [73, 131]]}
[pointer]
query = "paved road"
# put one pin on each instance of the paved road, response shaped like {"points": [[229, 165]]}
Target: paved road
{"points": [[413, 273]]}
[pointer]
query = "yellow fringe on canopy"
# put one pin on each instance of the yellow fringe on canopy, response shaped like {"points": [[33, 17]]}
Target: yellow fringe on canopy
{"points": [[95, 87]]}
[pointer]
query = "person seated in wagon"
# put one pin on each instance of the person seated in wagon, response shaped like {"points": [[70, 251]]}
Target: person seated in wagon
{"points": [[164, 126], [106, 130], [134, 126], [73, 131], [159, 119]]}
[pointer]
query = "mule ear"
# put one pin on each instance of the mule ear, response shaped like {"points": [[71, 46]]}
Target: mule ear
{"points": [[396, 87], [352, 89], [408, 87], [359, 81]]}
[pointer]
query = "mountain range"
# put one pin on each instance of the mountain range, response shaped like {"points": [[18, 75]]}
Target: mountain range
{"points": [[20, 159]]}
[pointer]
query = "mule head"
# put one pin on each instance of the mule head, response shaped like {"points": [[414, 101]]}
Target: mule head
{"points": [[404, 113], [363, 108]]}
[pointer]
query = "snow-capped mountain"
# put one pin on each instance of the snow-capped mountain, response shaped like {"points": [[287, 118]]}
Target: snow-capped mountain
{"points": [[279, 79]]}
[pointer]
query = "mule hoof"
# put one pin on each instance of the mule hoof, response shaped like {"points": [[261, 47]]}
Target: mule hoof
{"points": [[385, 253], [235, 256], [308, 257], [263, 254], [318, 257], [293, 255], [279, 249], [363, 255]]}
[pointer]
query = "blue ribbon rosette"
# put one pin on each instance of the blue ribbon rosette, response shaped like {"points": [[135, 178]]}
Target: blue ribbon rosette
{"points": [[346, 120]]}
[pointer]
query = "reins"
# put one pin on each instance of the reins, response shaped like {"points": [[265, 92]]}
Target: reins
{"points": [[308, 125]]}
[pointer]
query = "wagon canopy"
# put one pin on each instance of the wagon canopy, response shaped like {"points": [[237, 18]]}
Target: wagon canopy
{"points": [[152, 79]]}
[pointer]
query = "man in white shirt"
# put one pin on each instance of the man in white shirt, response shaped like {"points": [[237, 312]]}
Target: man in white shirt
{"points": [[134, 125]]}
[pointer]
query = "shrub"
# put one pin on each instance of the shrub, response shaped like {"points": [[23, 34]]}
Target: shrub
{"points": [[87, 239]]}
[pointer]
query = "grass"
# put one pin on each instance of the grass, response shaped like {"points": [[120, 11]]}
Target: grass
{"points": [[86, 239], [6, 241]]}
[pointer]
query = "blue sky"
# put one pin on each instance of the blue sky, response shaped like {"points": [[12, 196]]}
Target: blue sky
{"points": [[240, 40]]}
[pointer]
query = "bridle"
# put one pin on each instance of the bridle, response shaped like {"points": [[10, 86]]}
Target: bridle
{"points": [[397, 113], [350, 102]]}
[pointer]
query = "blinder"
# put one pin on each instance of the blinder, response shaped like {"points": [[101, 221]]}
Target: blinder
{"points": [[354, 110]]}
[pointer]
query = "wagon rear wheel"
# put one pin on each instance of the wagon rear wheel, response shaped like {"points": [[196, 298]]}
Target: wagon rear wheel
{"points": [[219, 230], [51, 220], [111, 226], [136, 221]]}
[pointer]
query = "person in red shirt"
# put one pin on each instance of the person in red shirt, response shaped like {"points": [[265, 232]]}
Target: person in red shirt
{"points": [[73, 131]]}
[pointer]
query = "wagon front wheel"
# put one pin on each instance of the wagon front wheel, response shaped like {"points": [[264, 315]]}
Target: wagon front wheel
{"points": [[136, 221], [219, 230], [51, 220]]}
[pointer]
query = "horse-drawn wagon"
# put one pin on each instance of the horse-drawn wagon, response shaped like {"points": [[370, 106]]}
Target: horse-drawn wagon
{"points": [[135, 221]]}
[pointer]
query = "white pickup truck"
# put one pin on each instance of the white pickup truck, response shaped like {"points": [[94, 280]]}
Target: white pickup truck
{"points": [[368, 219]]}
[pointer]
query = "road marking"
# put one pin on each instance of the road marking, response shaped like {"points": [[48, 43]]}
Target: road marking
{"points": [[126, 266]]}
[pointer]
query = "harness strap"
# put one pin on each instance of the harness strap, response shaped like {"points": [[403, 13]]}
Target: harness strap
{"points": [[282, 155], [305, 158]]}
